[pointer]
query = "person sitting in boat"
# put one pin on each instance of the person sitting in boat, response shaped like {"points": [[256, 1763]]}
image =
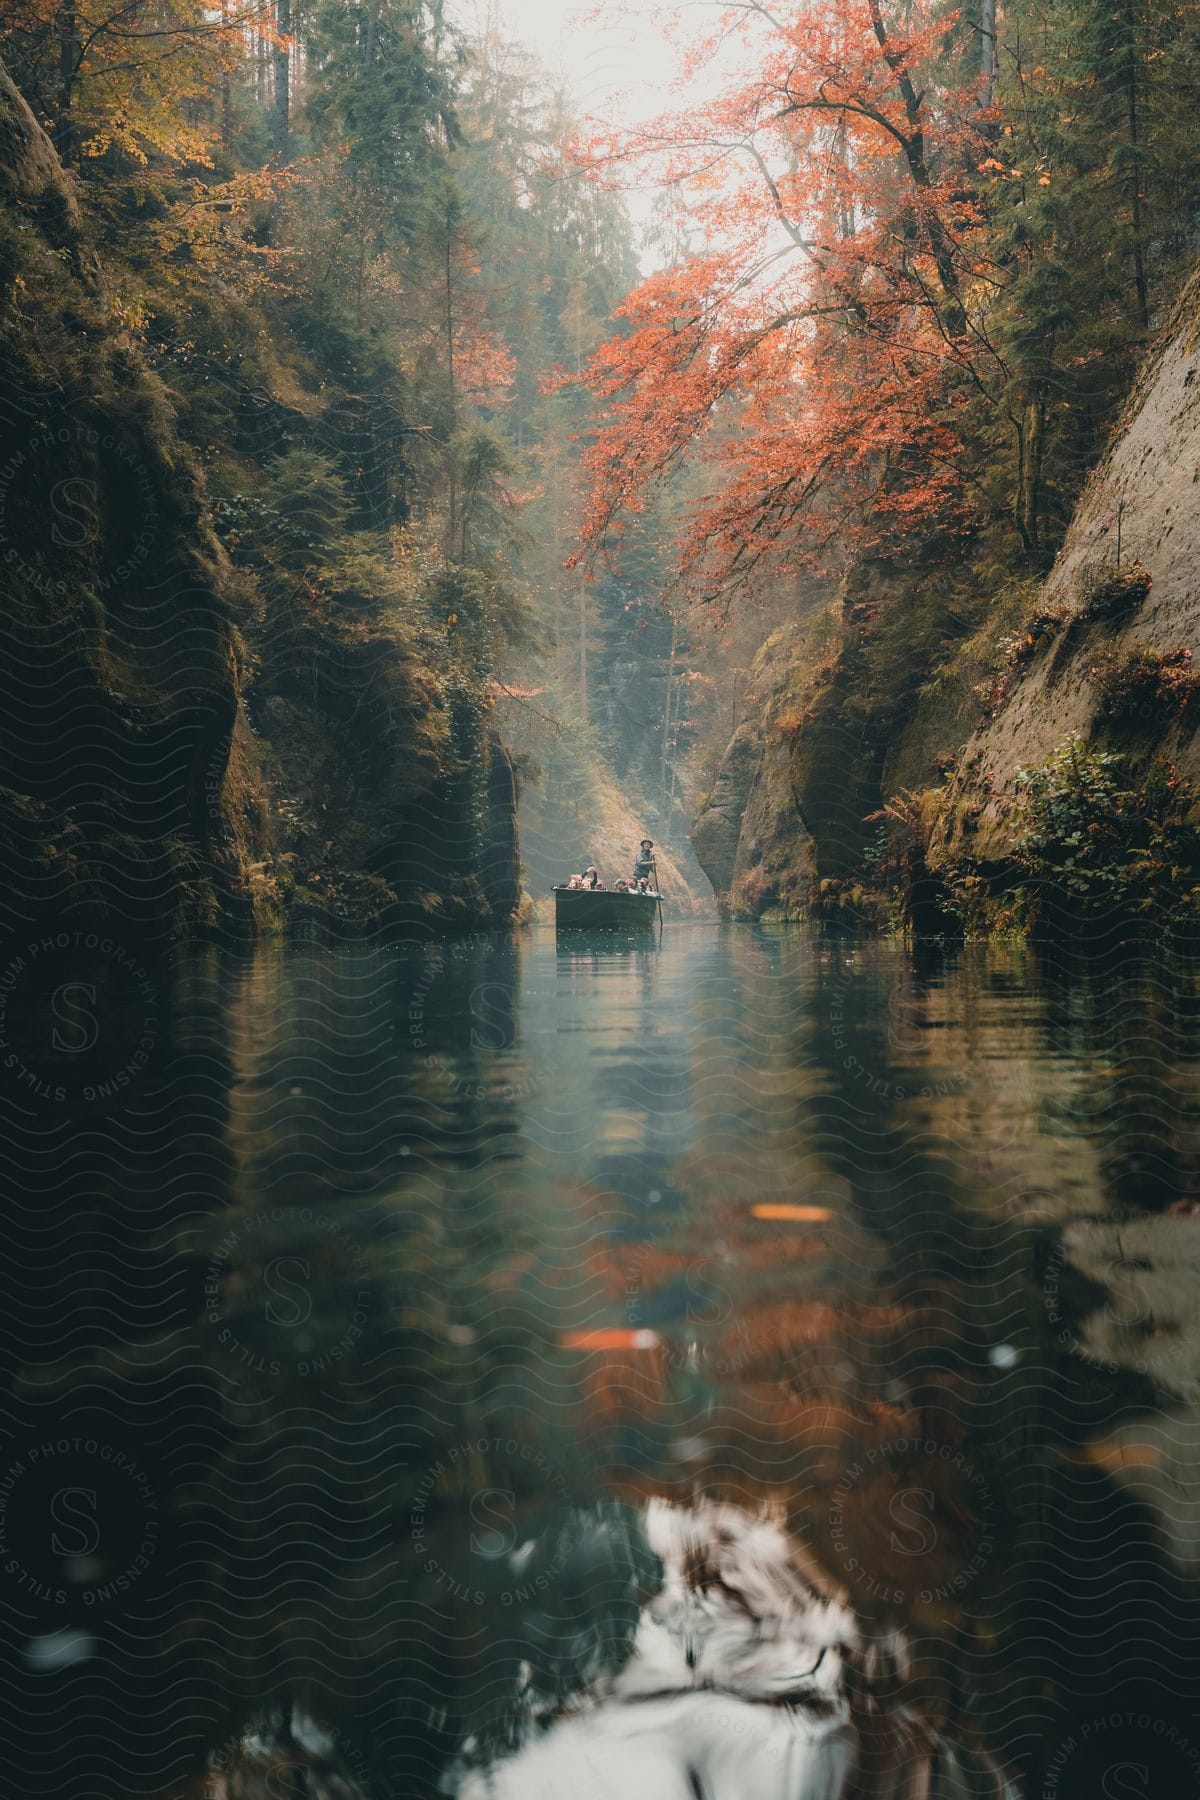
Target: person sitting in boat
{"points": [[643, 862], [576, 881], [622, 887], [590, 878]]}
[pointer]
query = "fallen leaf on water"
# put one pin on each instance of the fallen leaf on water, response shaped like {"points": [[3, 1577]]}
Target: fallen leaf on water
{"points": [[804, 1215], [611, 1338]]}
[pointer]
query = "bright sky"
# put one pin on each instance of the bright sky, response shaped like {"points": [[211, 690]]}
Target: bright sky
{"points": [[612, 58]]}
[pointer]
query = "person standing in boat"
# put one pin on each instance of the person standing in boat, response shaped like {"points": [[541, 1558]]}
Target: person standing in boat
{"points": [[643, 862]]}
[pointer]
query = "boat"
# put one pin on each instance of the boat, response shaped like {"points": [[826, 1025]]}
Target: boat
{"points": [[604, 909]]}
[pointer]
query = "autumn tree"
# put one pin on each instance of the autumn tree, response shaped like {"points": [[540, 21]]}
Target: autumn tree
{"points": [[867, 345], [128, 76]]}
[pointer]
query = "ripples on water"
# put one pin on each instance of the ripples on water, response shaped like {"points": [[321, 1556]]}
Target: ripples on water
{"points": [[744, 1365]]}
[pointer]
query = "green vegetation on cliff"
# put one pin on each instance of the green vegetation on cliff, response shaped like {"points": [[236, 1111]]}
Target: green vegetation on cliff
{"points": [[286, 501], [120, 681]]}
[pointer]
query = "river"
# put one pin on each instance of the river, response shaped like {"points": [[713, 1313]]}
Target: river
{"points": [[739, 1363]]}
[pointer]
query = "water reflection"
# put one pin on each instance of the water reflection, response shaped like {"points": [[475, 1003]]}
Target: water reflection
{"points": [[469, 1327]]}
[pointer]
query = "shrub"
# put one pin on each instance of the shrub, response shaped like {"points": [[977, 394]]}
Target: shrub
{"points": [[1033, 636], [842, 900], [1148, 687], [1108, 596], [1112, 594], [1099, 842], [791, 720], [909, 821]]}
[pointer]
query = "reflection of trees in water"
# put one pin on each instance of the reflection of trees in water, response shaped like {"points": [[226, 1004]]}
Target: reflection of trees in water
{"points": [[351, 1430], [1136, 1024], [401, 1521], [888, 1375], [424, 1529]]}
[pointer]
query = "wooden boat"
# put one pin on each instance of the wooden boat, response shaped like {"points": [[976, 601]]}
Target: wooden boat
{"points": [[604, 909]]}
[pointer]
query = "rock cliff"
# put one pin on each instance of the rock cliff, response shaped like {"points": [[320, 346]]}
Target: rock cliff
{"points": [[120, 685], [868, 705], [1084, 675], [179, 749]]}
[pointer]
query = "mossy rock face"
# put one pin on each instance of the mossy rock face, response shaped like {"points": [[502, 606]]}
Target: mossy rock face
{"points": [[386, 814], [119, 689], [500, 860], [717, 830], [178, 751], [1096, 683]]}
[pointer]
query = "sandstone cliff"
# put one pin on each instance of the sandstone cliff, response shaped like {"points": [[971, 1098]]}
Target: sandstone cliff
{"points": [[1141, 507]]}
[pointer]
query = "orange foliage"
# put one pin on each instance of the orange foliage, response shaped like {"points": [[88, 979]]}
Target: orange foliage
{"points": [[818, 349], [484, 366]]}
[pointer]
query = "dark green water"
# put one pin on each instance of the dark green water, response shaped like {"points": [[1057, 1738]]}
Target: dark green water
{"points": [[362, 1301]]}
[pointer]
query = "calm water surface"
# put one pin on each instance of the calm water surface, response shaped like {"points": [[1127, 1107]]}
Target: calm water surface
{"points": [[433, 1310]]}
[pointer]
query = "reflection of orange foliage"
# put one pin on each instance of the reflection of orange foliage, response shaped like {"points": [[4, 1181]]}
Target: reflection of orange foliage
{"points": [[756, 1390], [616, 1386], [1117, 1458]]}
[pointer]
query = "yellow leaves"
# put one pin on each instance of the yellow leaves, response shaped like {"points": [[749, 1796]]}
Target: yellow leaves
{"points": [[130, 315]]}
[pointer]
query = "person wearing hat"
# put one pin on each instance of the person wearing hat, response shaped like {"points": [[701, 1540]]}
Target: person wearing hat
{"points": [[643, 862]]}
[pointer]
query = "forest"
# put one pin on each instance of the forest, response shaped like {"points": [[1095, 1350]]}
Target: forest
{"points": [[333, 353]]}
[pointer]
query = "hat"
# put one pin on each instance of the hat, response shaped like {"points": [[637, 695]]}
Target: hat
{"points": [[645, 841]]}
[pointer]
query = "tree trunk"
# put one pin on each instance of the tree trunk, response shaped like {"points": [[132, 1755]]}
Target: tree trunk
{"points": [[953, 311], [987, 52], [666, 748], [283, 29], [1133, 122], [452, 427], [69, 53], [1031, 445], [583, 657], [226, 90]]}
